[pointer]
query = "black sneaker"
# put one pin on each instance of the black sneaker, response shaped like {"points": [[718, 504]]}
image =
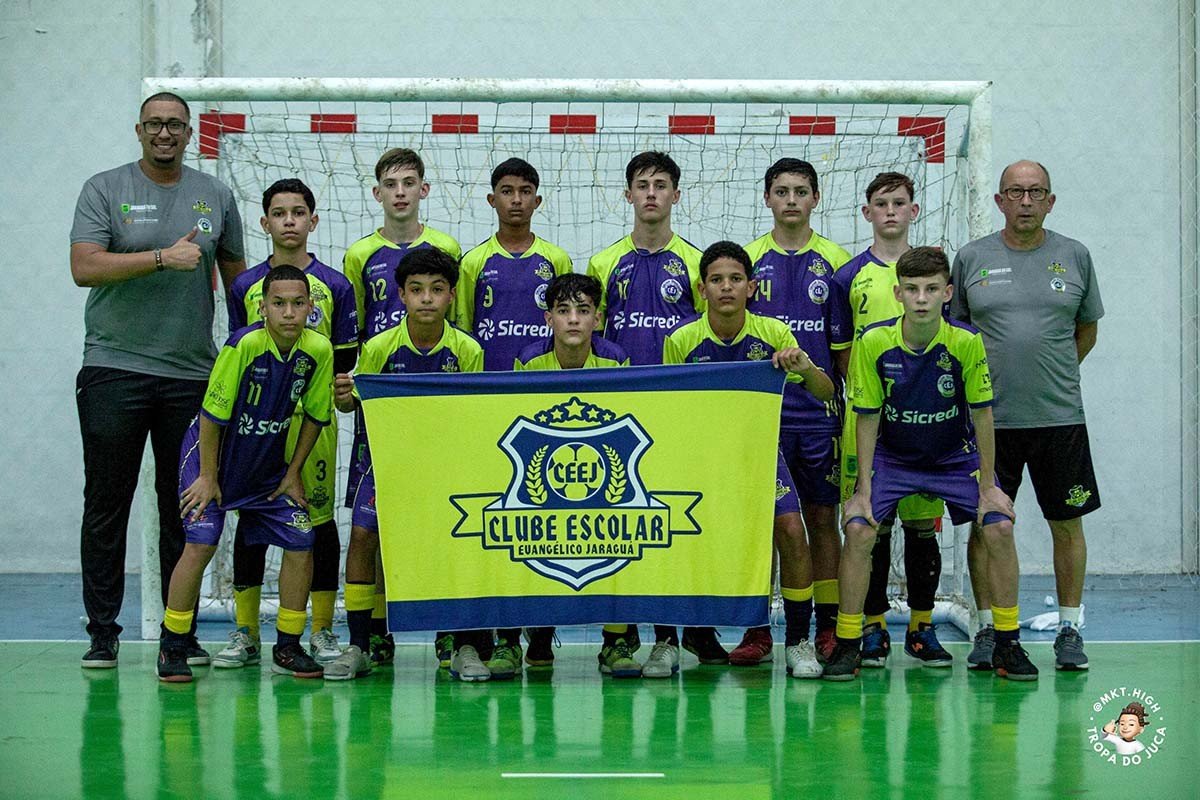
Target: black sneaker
{"points": [[382, 649], [876, 646], [292, 659], [980, 657], [843, 662], [540, 652], [172, 662], [197, 656], [703, 644], [923, 645], [103, 652], [1011, 661]]}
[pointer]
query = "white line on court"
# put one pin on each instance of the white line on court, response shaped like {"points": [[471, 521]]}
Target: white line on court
{"points": [[583, 775]]}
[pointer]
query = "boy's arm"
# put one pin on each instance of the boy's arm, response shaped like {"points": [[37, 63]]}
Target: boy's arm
{"points": [[343, 393], [292, 485], [797, 362], [204, 489], [841, 360], [866, 429], [991, 496]]}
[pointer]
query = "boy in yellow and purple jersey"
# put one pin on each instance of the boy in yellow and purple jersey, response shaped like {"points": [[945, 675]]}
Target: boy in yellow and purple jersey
{"points": [[793, 270], [501, 294], [572, 313], [864, 289], [651, 284], [728, 332], [233, 459], [922, 400], [423, 342], [289, 216], [501, 299], [370, 266]]}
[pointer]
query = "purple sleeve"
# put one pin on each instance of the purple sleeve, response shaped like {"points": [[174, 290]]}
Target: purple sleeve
{"points": [[344, 330], [236, 300]]}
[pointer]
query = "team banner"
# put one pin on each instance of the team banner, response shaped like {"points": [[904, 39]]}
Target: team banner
{"points": [[553, 498]]}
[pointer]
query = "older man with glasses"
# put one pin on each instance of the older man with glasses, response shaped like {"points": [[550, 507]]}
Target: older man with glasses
{"points": [[1034, 295], [145, 241]]}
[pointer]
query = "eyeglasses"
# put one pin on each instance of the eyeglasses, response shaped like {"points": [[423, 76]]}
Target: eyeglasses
{"points": [[1015, 193], [174, 127]]}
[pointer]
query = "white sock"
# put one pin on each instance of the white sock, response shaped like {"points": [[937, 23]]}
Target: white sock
{"points": [[985, 618], [1068, 617]]}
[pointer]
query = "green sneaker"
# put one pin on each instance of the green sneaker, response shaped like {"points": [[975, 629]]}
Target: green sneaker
{"points": [[617, 660], [382, 650], [443, 646], [505, 661]]}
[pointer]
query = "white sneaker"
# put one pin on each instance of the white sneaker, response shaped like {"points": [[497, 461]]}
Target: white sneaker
{"points": [[243, 650], [663, 661], [465, 665], [350, 664], [802, 660], [323, 646]]}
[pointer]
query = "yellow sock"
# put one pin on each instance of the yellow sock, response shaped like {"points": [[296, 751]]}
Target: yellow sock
{"points": [[380, 609], [616, 629], [1006, 618], [178, 621], [799, 595], [291, 621], [322, 609], [826, 592], [918, 618], [876, 619], [849, 626], [247, 605], [360, 596]]}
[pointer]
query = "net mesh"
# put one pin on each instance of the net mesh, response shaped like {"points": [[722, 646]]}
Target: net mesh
{"points": [[580, 151]]}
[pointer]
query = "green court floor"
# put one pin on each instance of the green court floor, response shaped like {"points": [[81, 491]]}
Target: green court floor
{"points": [[713, 732]]}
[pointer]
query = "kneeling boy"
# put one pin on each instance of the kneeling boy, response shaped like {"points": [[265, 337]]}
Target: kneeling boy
{"points": [[922, 395], [233, 458]]}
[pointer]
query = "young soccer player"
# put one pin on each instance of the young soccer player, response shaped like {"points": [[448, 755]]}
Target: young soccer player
{"points": [[793, 270], [289, 216], [370, 266], [501, 298], [651, 284], [864, 291], [423, 342], [572, 312], [728, 332], [916, 379], [233, 458]]}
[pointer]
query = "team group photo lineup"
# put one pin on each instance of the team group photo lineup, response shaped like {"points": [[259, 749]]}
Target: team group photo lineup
{"points": [[919, 386]]}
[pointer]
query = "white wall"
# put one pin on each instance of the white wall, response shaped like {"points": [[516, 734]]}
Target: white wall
{"points": [[1091, 94]]}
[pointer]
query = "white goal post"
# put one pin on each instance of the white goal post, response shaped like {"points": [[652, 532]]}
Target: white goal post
{"points": [[328, 131]]}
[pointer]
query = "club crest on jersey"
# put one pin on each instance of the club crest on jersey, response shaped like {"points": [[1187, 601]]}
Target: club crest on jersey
{"points": [[945, 386], [671, 291], [304, 365], [1057, 268], [818, 267], [544, 271], [818, 291], [204, 224], [674, 267], [943, 361], [539, 296], [300, 520], [1058, 284], [1078, 496], [757, 352], [315, 316], [450, 364], [297, 388], [781, 491], [576, 509]]}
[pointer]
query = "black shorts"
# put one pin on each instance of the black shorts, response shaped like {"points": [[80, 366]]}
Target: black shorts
{"points": [[1060, 467]]}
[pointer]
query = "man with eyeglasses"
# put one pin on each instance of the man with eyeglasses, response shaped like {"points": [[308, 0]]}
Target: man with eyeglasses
{"points": [[1034, 295], [145, 241]]}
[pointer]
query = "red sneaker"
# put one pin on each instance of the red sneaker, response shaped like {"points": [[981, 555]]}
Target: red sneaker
{"points": [[755, 648], [825, 642]]}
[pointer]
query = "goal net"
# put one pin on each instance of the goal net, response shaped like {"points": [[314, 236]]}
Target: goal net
{"points": [[579, 135]]}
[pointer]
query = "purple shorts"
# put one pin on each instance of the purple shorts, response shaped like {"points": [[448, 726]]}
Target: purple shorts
{"points": [[363, 514], [282, 521], [956, 482], [358, 449], [786, 501], [814, 459]]}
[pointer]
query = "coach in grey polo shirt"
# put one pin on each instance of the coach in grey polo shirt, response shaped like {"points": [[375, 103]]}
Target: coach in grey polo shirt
{"points": [[1034, 295], [146, 240]]}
